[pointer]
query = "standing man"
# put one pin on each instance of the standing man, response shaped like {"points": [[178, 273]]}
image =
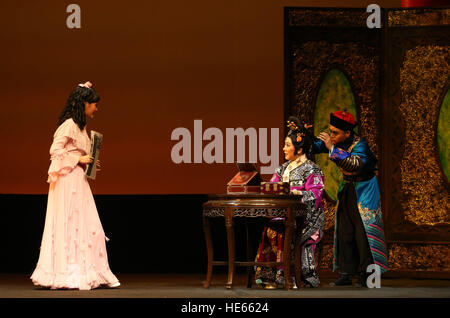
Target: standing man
{"points": [[359, 239]]}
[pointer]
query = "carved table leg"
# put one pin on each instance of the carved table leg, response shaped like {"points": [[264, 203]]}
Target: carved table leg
{"points": [[298, 254], [209, 247], [287, 249], [231, 247], [250, 257]]}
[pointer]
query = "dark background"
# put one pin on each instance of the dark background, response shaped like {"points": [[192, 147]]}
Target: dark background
{"points": [[148, 233]]}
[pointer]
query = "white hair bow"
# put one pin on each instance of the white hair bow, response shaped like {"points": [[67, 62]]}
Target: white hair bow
{"points": [[87, 84]]}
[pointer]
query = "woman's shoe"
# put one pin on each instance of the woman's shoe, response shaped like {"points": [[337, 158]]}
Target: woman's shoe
{"points": [[114, 285], [362, 280], [280, 282], [265, 285], [270, 285]]}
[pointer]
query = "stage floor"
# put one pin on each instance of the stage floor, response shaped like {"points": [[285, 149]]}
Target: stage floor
{"points": [[190, 286]]}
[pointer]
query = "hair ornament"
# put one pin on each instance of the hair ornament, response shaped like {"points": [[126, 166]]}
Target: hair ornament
{"points": [[87, 84], [291, 125]]}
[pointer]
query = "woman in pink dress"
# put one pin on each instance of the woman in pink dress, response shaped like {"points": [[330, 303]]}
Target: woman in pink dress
{"points": [[73, 249]]}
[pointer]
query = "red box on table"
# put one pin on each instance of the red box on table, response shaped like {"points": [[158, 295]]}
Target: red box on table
{"points": [[246, 181]]}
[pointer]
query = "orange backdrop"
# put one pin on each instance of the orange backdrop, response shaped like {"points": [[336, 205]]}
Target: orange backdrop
{"points": [[157, 65]]}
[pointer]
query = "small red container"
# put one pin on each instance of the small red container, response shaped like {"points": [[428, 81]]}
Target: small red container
{"points": [[275, 187]]}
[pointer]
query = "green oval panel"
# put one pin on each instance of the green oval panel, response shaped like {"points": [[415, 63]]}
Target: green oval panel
{"points": [[335, 93], [443, 139]]}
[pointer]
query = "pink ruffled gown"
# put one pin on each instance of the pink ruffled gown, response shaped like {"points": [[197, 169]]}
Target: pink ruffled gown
{"points": [[73, 249]]}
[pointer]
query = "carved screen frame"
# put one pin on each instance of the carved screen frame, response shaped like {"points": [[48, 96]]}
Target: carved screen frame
{"points": [[418, 251], [422, 35]]}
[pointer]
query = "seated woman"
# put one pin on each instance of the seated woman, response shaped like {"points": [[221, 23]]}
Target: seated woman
{"points": [[306, 180]]}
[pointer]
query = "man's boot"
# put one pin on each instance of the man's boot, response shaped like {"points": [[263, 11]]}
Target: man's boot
{"points": [[345, 279], [362, 280]]}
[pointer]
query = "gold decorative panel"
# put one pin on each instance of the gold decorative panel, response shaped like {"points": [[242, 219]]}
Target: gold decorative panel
{"points": [[423, 257], [326, 257], [404, 257], [399, 76], [424, 75], [328, 18], [420, 17]]}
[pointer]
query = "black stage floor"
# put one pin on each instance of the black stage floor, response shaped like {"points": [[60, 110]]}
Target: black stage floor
{"points": [[190, 286]]}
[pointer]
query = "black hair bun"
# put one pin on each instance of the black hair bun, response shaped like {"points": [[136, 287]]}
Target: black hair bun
{"points": [[295, 124]]}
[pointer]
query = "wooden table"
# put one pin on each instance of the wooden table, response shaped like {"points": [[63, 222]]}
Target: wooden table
{"points": [[230, 206]]}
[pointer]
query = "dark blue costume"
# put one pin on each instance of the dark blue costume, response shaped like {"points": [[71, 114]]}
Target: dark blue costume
{"points": [[359, 192]]}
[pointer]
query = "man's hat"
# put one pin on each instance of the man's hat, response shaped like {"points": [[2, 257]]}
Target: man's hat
{"points": [[343, 120]]}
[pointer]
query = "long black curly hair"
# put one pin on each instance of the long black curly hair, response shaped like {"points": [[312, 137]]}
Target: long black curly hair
{"points": [[301, 136], [75, 108]]}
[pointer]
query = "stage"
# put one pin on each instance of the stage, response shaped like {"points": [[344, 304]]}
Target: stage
{"points": [[190, 286]]}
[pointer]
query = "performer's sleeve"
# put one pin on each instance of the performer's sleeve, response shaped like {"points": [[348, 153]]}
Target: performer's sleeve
{"points": [[313, 190], [319, 146], [350, 161], [62, 161], [275, 178]]}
